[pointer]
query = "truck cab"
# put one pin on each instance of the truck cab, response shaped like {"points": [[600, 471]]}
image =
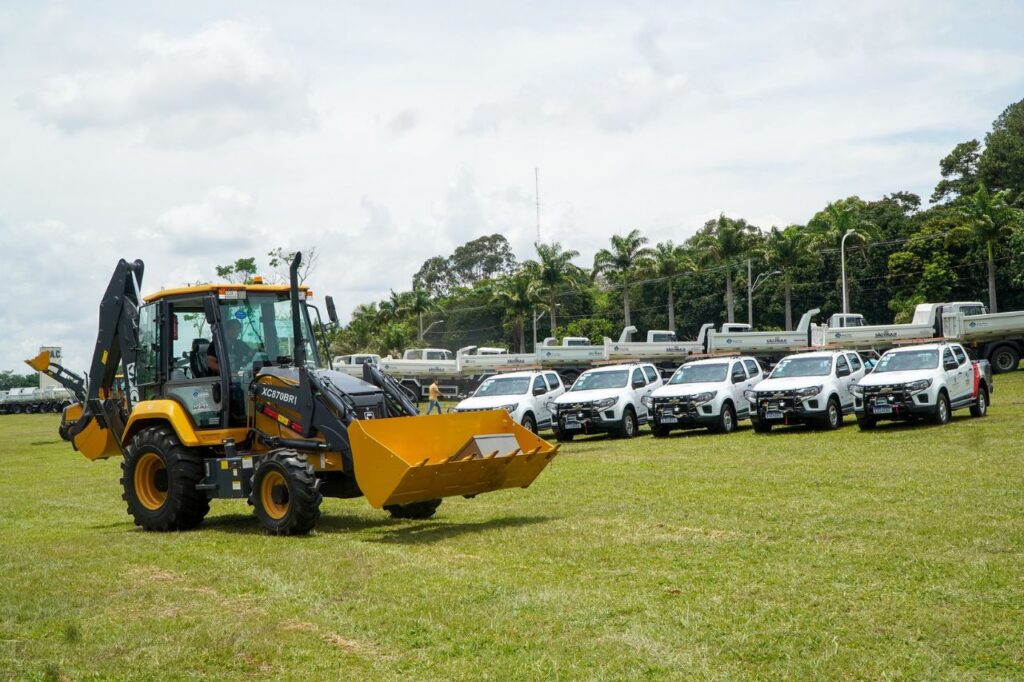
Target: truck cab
{"points": [[661, 336], [427, 354], [844, 320], [928, 380]]}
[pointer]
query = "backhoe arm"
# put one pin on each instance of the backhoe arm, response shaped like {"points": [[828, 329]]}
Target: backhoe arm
{"points": [[74, 383]]}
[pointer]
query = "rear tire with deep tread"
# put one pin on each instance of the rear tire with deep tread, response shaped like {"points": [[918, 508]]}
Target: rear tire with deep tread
{"points": [[285, 493], [163, 496], [980, 406], [413, 510]]}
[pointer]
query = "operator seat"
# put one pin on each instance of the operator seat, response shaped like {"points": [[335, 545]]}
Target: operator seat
{"points": [[197, 358]]}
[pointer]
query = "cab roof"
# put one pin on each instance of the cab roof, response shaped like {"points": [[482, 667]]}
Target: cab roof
{"points": [[197, 289]]}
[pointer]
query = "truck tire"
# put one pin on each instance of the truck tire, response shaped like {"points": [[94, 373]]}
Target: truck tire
{"points": [[529, 423], [629, 426], [1004, 359], [980, 406], [285, 493], [726, 420], [569, 377], [159, 478], [940, 415], [760, 426], [659, 431], [833, 415], [563, 437], [866, 423], [413, 510]]}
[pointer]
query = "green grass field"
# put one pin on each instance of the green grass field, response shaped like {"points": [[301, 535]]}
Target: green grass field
{"points": [[891, 554]]}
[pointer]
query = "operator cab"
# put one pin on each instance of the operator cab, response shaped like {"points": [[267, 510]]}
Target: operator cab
{"points": [[247, 328]]}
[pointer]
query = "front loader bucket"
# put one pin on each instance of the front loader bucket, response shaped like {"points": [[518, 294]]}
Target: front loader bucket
{"points": [[412, 459]]}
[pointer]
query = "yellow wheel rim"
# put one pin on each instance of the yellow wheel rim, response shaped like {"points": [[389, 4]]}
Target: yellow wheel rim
{"points": [[274, 495], [150, 481]]}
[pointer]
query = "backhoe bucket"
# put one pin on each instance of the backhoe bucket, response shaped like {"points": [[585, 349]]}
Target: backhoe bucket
{"points": [[412, 459]]}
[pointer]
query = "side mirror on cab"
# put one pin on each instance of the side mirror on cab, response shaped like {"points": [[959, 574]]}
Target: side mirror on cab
{"points": [[842, 371], [539, 390], [332, 313], [639, 383], [950, 365]]}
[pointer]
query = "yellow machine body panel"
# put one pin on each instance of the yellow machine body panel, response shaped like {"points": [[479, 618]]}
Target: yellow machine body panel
{"points": [[413, 459], [171, 412], [93, 442]]}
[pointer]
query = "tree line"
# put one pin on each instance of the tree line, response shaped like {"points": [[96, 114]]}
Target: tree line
{"points": [[966, 244]]}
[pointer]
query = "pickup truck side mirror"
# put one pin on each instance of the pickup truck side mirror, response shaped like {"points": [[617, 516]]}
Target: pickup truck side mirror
{"points": [[950, 365], [843, 372], [539, 390], [738, 378], [639, 383]]}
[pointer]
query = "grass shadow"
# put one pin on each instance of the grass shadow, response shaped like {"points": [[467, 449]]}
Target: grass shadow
{"points": [[44, 442]]}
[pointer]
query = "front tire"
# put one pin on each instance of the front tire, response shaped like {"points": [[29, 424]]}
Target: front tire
{"points": [[159, 477], [563, 437], [529, 423], [833, 415], [726, 420], [285, 493], [659, 431], [866, 423], [629, 426], [980, 406], [413, 510], [941, 413], [760, 426]]}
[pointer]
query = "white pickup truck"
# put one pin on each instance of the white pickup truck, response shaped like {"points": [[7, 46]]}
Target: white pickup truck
{"points": [[810, 388], [524, 395], [606, 400], [929, 380], [709, 393], [353, 364]]}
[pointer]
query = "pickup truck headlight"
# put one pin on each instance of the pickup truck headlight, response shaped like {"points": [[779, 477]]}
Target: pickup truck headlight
{"points": [[607, 402], [808, 392], [705, 397], [857, 390], [750, 395], [918, 386], [648, 401], [510, 408]]}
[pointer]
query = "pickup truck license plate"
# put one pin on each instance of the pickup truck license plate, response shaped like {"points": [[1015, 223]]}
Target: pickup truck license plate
{"points": [[668, 419], [881, 409], [773, 414], [572, 424]]}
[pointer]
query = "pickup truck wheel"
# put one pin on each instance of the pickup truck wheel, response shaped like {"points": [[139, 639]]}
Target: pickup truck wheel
{"points": [[833, 415], [866, 423], [980, 406], [629, 425], [563, 437], [659, 431], [940, 415], [529, 423], [760, 426], [1004, 359], [726, 420]]}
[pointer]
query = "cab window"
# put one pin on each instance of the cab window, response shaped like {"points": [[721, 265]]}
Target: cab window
{"points": [[752, 369], [961, 356], [855, 362], [948, 357], [552, 380], [841, 363], [538, 382], [738, 373], [638, 376], [652, 375]]}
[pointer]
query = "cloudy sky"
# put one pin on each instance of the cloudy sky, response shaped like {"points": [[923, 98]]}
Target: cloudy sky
{"points": [[189, 134]]}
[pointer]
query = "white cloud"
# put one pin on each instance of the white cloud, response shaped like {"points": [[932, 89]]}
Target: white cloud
{"points": [[226, 80]]}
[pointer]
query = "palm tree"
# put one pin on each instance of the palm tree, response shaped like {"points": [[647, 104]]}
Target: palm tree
{"points": [[621, 264], [990, 218], [839, 217], [724, 243], [670, 261], [556, 273], [787, 250], [517, 294], [417, 302]]}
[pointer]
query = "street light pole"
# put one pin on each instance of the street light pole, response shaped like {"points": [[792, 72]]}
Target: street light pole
{"points": [[752, 287], [842, 259], [429, 327]]}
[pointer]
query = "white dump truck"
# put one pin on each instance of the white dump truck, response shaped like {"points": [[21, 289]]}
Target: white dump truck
{"points": [[660, 346], [996, 337], [735, 338]]}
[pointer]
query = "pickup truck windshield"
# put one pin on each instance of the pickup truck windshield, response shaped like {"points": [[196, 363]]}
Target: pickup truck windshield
{"points": [[802, 367], [698, 374], [907, 360], [506, 386], [590, 381]]}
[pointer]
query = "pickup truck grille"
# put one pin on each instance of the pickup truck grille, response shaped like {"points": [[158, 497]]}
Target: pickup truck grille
{"points": [[680, 406], [585, 410], [777, 400], [893, 394]]}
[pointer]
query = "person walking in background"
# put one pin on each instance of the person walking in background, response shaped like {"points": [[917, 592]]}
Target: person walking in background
{"points": [[435, 398]]}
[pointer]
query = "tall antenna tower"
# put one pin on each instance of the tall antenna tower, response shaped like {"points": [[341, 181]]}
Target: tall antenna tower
{"points": [[536, 195]]}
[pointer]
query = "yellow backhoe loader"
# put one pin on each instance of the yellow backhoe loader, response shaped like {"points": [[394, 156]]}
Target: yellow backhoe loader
{"points": [[222, 395]]}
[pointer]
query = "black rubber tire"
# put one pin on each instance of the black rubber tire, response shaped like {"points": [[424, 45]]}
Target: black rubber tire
{"points": [[563, 437], [726, 420], [659, 431], [833, 415], [299, 496], [530, 422], [760, 426], [980, 406], [184, 507], [414, 510], [940, 415], [629, 426], [866, 423], [30, 409], [569, 377], [1004, 359]]}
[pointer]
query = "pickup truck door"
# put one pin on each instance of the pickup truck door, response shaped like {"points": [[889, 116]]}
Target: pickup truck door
{"points": [[965, 374], [737, 383], [844, 377], [641, 387], [754, 377], [954, 382], [541, 393]]}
